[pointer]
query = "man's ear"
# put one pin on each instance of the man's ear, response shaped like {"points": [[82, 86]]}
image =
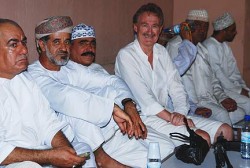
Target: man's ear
{"points": [[135, 28], [161, 27], [41, 45]]}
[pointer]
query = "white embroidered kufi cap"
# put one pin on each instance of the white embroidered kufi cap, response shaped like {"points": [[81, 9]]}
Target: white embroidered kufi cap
{"points": [[223, 21], [82, 31], [200, 14]]}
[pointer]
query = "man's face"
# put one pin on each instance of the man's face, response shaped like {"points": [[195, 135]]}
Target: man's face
{"points": [[83, 50], [13, 51], [200, 31], [230, 33], [148, 29], [57, 48]]}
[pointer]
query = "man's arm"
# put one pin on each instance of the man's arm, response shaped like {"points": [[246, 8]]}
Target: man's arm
{"points": [[186, 56], [62, 154], [214, 57], [127, 68], [94, 80], [69, 100]]}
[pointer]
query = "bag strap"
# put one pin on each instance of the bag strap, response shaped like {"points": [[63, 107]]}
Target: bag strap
{"points": [[186, 124], [179, 136]]}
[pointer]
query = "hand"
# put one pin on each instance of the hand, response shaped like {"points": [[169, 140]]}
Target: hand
{"points": [[185, 32], [177, 119], [190, 123], [140, 130], [244, 92], [123, 121], [204, 112], [65, 157], [229, 104]]}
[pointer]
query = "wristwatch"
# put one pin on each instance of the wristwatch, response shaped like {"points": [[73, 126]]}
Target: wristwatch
{"points": [[126, 100]]}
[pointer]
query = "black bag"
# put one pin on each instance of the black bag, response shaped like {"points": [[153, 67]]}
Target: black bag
{"points": [[195, 152], [220, 151]]}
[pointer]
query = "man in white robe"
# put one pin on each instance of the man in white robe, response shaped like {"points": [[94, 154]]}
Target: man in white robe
{"points": [[30, 132], [223, 63], [151, 76], [81, 95], [200, 82], [83, 51]]}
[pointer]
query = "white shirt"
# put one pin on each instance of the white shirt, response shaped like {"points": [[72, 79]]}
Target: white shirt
{"points": [[151, 87], [26, 119], [182, 52], [224, 65], [71, 100], [200, 81], [207, 86], [78, 86]]}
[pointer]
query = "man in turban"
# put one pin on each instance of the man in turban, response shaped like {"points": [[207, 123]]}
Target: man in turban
{"points": [[201, 84], [94, 113], [223, 63], [31, 134]]}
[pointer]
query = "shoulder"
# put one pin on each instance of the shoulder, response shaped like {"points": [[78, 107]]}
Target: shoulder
{"points": [[97, 67], [130, 48], [25, 79], [36, 69], [210, 41], [175, 41]]}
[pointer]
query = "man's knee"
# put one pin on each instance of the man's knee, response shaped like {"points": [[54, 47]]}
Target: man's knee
{"points": [[204, 135], [226, 131]]}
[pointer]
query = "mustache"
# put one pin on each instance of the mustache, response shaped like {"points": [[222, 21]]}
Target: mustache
{"points": [[149, 35], [88, 53], [62, 52]]}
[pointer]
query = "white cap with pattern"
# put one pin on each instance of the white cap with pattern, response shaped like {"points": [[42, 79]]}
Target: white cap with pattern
{"points": [[223, 21], [82, 31], [200, 14]]}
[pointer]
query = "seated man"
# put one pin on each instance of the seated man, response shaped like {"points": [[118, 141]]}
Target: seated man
{"points": [[83, 51], [223, 63], [151, 76], [68, 87], [183, 60], [29, 128], [201, 84]]}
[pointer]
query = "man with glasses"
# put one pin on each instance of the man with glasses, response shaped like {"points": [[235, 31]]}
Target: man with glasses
{"points": [[148, 70]]}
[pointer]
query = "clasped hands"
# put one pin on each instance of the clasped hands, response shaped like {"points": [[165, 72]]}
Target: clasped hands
{"points": [[129, 121]]}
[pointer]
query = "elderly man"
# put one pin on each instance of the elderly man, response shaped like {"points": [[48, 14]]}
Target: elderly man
{"points": [[202, 86], [29, 128], [223, 63], [66, 85], [150, 74], [83, 51]]}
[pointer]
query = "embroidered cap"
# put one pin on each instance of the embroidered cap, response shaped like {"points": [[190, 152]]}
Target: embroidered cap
{"points": [[200, 14], [82, 31], [223, 21], [52, 25]]}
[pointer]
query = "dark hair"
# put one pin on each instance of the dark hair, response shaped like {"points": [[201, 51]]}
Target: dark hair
{"points": [[152, 8], [44, 39], [4, 21]]}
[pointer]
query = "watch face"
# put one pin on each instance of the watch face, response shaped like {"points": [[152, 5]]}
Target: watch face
{"points": [[124, 101]]}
